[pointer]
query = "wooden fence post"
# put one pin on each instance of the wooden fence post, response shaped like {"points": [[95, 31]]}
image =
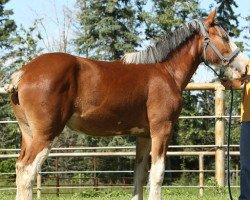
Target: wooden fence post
{"points": [[39, 186], [201, 174], [57, 179], [219, 136]]}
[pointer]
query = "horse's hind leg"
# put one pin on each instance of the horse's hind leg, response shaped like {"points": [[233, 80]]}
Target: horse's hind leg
{"points": [[141, 166], [36, 144], [26, 132], [28, 168]]}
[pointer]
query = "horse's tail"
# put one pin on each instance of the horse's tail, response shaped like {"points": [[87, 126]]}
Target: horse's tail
{"points": [[12, 88]]}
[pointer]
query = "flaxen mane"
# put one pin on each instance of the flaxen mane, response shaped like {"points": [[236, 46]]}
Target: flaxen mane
{"points": [[158, 52]]}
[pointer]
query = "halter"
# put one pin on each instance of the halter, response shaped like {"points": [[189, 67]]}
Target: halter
{"points": [[225, 60]]}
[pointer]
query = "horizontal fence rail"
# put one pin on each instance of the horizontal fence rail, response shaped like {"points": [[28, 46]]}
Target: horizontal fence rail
{"points": [[201, 171], [103, 154], [129, 147]]}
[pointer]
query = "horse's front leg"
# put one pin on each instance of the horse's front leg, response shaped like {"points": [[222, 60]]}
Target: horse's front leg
{"points": [[161, 134]]}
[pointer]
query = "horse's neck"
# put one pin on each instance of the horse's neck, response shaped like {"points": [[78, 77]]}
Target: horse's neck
{"points": [[184, 62]]}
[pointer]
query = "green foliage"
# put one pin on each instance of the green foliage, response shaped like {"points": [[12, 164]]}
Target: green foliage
{"points": [[108, 28], [168, 14], [7, 25], [198, 131], [104, 193], [227, 16], [7, 165], [25, 48], [193, 132], [10, 135], [235, 137], [125, 194]]}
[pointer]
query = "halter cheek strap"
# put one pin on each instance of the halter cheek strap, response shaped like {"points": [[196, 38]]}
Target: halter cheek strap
{"points": [[225, 60]]}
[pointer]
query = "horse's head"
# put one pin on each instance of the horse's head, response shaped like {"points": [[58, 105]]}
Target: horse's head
{"points": [[219, 49]]}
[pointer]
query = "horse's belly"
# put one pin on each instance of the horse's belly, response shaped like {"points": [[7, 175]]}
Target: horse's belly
{"points": [[105, 127]]}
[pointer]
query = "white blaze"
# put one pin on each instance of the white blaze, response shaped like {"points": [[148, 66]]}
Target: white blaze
{"points": [[239, 63]]}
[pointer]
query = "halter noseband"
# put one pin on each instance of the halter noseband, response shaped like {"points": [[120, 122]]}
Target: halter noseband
{"points": [[225, 60]]}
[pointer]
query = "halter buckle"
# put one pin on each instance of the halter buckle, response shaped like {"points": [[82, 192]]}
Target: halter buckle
{"points": [[206, 41]]}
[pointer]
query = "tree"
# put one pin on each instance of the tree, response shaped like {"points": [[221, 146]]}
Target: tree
{"points": [[25, 48], [7, 25], [108, 28], [227, 16], [167, 15]]}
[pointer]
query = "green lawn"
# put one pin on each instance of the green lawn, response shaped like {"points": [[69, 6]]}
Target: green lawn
{"points": [[168, 194]]}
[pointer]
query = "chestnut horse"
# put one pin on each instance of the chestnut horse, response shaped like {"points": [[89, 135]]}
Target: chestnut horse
{"points": [[139, 95]]}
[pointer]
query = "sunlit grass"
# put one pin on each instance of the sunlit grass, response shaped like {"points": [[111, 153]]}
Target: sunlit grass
{"points": [[105, 194]]}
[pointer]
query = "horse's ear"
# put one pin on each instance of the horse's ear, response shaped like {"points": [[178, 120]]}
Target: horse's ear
{"points": [[211, 18]]}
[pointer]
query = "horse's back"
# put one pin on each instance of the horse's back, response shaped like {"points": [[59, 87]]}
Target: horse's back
{"points": [[52, 65]]}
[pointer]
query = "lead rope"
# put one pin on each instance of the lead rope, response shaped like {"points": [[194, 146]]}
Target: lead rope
{"points": [[229, 133], [220, 76], [228, 143]]}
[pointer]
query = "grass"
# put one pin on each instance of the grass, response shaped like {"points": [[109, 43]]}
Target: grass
{"points": [[168, 194]]}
